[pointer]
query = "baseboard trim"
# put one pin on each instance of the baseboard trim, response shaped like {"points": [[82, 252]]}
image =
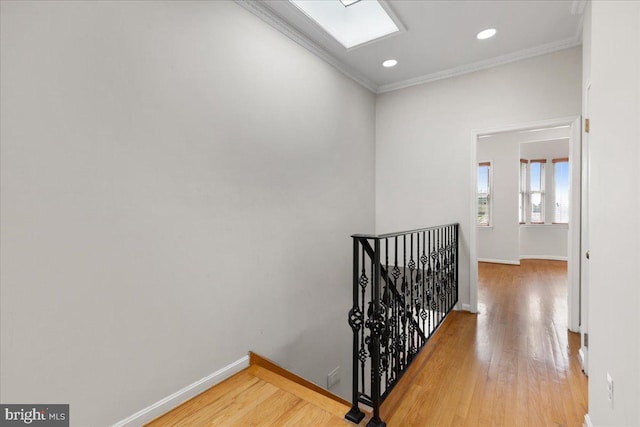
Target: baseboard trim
{"points": [[587, 421], [499, 261], [582, 356], [547, 257], [466, 307], [163, 406]]}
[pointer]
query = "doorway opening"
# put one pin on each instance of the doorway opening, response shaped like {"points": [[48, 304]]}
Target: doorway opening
{"points": [[526, 200]]}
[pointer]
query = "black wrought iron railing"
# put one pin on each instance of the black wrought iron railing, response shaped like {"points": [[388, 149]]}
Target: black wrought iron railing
{"points": [[404, 285]]}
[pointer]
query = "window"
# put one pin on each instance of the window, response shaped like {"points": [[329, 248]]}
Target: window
{"points": [[561, 184], [351, 23], [536, 190], [484, 194], [522, 199]]}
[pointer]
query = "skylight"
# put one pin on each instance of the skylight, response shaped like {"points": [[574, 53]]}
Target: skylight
{"points": [[350, 23]]}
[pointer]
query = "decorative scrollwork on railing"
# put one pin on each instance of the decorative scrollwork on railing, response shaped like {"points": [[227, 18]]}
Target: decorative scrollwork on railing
{"points": [[355, 318], [404, 286]]}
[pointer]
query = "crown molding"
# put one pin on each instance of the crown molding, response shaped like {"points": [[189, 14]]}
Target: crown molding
{"points": [[481, 65], [264, 13], [578, 6], [259, 9]]}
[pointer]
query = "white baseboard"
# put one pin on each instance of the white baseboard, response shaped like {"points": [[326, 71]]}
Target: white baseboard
{"points": [[462, 307], [587, 421], [168, 403], [499, 261], [582, 355], [547, 257]]}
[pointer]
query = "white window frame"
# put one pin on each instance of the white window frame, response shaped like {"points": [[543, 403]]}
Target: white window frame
{"points": [[523, 193], [489, 164], [555, 204], [542, 163]]}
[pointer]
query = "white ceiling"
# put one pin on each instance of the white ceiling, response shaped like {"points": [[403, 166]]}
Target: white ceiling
{"points": [[439, 40]]}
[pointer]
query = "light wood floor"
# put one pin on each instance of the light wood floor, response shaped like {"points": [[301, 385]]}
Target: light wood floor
{"points": [[513, 364], [257, 397]]}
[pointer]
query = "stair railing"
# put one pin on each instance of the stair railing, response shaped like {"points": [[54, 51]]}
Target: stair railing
{"points": [[404, 285]]}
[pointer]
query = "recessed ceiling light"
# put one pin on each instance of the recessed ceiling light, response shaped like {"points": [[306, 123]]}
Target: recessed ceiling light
{"points": [[390, 63], [486, 34]]}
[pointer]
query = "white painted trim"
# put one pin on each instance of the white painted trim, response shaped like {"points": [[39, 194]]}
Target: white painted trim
{"points": [[490, 226], [163, 406], [487, 63], [584, 233], [499, 261], [264, 13], [550, 123], [462, 307], [547, 257], [558, 225], [473, 253], [587, 421], [574, 233], [584, 363], [573, 121], [577, 8]]}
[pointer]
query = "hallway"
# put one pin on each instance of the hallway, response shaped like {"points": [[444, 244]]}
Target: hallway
{"points": [[514, 364]]}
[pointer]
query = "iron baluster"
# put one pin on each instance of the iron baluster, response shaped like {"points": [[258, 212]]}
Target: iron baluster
{"points": [[409, 301], [363, 351], [393, 316], [404, 301], [386, 301]]}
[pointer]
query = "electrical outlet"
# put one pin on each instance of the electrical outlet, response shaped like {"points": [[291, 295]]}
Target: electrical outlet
{"points": [[610, 388], [333, 377]]}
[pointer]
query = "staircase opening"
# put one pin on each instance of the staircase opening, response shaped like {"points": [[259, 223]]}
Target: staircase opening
{"points": [[404, 285]]}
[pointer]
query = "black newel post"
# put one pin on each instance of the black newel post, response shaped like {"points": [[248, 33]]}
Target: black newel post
{"points": [[356, 317], [457, 261], [377, 326]]}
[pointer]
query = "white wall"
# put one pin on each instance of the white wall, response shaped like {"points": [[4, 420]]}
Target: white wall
{"points": [[424, 144], [179, 184], [499, 241], [505, 240], [547, 241], [614, 149], [544, 242]]}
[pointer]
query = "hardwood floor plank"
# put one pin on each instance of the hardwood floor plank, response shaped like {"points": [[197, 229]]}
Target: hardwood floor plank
{"points": [[323, 402], [514, 364], [226, 390], [269, 411], [256, 397], [227, 411], [306, 414]]}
